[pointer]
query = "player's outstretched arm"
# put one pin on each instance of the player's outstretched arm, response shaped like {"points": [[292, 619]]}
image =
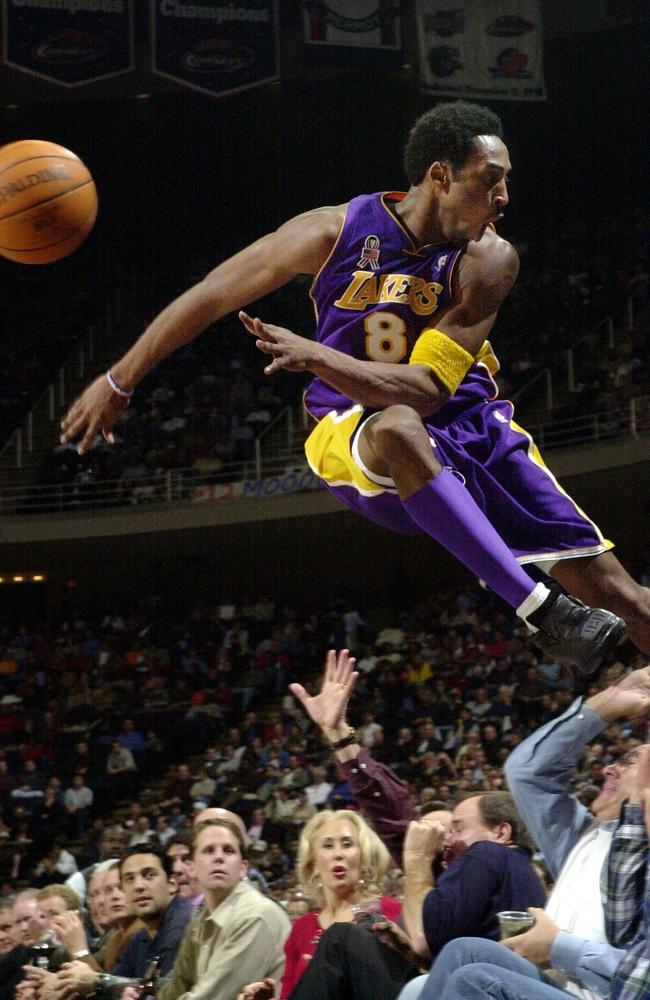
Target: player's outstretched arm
{"points": [[300, 246], [371, 383], [485, 275]]}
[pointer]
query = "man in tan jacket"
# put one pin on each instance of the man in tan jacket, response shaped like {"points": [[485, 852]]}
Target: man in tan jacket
{"points": [[238, 937]]}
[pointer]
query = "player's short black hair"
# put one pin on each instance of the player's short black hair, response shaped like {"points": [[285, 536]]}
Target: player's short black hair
{"points": [[155, 849], [447, 133]]}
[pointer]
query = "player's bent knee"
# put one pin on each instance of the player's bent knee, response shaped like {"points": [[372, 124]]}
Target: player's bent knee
{"points": [[396, 428]]}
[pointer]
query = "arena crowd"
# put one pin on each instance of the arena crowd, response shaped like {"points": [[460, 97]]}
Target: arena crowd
{"points": [[119, 733]]}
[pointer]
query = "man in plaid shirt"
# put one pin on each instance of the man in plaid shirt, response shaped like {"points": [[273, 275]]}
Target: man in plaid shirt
{"points": [[627, 906]]}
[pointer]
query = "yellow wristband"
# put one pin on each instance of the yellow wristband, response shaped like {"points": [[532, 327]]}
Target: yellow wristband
{"points": [[448, 360]]}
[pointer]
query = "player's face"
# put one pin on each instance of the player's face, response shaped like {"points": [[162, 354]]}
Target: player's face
{"points": [[474, 196], [337, 855]]}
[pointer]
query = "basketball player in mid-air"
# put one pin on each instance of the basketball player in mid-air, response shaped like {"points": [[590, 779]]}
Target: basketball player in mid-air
{"points": [[408, 433]]}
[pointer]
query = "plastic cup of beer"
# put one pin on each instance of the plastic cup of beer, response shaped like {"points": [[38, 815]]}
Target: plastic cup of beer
{"points": [[368, 912], [513, 922]]}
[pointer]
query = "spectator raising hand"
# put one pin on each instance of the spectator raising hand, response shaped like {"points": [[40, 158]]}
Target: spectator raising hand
{"points": [[328, 707]]}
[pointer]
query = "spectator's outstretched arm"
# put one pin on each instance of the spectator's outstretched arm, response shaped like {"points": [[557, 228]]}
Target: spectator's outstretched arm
{"points": [[540, 769], [385, 800]]}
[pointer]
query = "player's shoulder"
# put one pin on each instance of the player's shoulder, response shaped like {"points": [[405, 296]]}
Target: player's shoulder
{"points": [[325, 221], [304, 242], [492, 254]]}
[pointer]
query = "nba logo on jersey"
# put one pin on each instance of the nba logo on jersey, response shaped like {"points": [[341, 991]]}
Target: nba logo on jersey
{"points": [[370, 253], [440, 263]]}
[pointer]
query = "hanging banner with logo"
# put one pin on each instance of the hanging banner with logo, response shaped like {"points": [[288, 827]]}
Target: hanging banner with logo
{"points": [[213, 46], [369, 24], [70, 42], [490, 49]]}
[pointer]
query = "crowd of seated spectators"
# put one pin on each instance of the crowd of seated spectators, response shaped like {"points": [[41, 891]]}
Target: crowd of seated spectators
{"points": [[94, 711], [119, 733]]}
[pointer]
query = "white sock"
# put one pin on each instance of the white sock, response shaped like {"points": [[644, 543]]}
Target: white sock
{"points": [[534, 601]]}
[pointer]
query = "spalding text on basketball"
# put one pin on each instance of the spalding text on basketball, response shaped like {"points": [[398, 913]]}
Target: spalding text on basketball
{"points": [[55, 173]]}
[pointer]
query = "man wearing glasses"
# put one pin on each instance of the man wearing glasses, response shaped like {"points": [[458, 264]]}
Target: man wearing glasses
{"points": [[574, 840]]}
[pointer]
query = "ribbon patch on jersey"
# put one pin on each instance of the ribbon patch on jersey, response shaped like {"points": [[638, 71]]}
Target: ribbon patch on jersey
{"points": [[370, 254]]}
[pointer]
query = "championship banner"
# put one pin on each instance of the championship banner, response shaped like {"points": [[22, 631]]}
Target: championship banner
{"points": [[215, 47], [70, 42], [368, 24], [490, 49]]}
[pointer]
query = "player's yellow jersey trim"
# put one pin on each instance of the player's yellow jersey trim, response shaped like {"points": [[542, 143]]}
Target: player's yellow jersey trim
{"points": [[535, 456], [329, 453], [327, 260]]}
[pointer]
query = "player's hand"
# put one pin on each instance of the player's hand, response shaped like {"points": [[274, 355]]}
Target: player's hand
{"points": [[130, 993], [535, 944], [70, 930], [327, 708], [95, 411], [629, 699], [287, 349], [264, 990]]}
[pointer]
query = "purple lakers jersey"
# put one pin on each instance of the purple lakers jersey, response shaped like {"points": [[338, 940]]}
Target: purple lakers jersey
{"points": [[377, 291]]}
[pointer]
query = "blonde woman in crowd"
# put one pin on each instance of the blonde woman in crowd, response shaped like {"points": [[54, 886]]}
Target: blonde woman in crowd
{"points": [[341, 866]]}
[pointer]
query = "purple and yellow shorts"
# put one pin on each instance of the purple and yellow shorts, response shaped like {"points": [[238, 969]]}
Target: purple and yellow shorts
{"points": [[496, 459]]}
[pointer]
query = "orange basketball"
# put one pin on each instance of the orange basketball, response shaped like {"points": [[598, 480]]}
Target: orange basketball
{"points": [[48, 201]]}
